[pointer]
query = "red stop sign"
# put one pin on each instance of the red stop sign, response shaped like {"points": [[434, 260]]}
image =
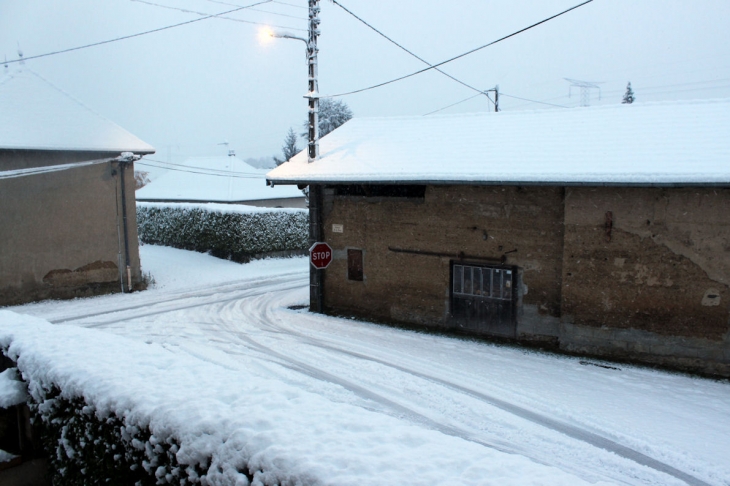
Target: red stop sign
{"points": [[320, 255]]}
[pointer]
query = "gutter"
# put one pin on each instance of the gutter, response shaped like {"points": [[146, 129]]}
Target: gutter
{"points": [[439, 182]]}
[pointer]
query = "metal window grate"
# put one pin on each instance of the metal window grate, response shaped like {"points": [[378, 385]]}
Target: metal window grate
{"points": [[486, 282]]}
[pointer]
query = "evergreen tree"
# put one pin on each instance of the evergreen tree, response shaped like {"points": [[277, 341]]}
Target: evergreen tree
{"points": [[629, 95], [289, 149]]}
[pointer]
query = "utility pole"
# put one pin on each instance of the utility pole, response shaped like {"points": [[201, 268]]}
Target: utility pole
{"points": [[316, 276], [494, 90], [313, 94], [585, 87], [316, 233]]}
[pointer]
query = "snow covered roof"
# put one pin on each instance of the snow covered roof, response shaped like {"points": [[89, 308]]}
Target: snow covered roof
{"points": [[638, 144], [214, 179], [35, 115]]}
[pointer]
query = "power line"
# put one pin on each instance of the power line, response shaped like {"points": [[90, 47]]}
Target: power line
{"points": [[137, 34], [490, 99], [434, 66], [666, 87], [406, 50], [290, 4], [454, 104], [534, 101], [208, 169], [185, 10], [202, 170], [480, 92], [257, 10], [219, 2]]}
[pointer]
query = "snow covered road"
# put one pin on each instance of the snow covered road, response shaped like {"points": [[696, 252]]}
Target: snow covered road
{"points": [[569, 419]]}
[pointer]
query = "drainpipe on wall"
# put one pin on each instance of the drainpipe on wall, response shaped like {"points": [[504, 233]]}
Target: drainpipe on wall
{"points": [[126, 159], [119, 232]]}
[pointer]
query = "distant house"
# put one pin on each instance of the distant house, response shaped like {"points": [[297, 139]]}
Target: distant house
{"points": [[65, 229], [224, 179], [596, 230]]}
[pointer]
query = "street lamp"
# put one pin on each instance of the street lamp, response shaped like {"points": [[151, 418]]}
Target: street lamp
{"points": [[316, 233], [313, 91]]}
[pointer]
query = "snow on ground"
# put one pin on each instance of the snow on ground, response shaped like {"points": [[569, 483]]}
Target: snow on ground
{"points": [[175, 269], [221, 361]]}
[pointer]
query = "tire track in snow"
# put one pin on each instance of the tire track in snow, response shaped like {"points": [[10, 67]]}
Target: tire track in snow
{"points": [[249, 290], [572, 431], [285, 283], [398, 409], [297, 366], [392, 407]]}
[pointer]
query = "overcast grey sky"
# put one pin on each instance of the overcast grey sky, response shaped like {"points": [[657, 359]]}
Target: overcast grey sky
{"points": [[186, 90]]}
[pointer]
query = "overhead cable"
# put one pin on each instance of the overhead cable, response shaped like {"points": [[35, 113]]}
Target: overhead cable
{"points": [[533, 101], [403, 48], [290, 4], [137, 34], [185, 10], [198, 170], [232, 174], [257, 9], [434, 66], [453, 104]]}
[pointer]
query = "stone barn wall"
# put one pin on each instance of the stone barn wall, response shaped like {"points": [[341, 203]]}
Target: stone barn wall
{"points": [[521, 224], [653, 281], [629, 273]]}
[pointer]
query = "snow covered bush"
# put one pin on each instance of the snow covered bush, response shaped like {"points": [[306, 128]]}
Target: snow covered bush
{"points": [[93, 430], [86, 447], [239, 233]]}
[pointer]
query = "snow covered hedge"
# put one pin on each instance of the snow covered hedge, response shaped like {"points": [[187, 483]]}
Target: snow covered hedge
{"points": [[103, 425], [239, 233], [89, 447]]}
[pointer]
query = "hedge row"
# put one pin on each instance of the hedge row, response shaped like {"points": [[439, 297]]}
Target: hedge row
{"points": [[85, 447], [235, 234]]}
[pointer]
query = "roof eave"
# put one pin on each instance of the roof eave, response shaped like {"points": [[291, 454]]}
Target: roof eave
{"points": [[115, 152], [440, 182]]}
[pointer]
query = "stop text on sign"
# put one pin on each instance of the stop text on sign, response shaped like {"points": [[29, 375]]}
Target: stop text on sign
{"points": [[320, 255]]}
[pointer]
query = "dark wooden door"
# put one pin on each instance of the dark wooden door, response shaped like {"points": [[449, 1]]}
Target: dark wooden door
{"points": [[483, 298]]}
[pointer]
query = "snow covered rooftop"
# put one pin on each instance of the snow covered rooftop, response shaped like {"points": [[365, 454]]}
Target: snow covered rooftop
{"points": [[214, 179], [35, 115], [639, 144]]}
